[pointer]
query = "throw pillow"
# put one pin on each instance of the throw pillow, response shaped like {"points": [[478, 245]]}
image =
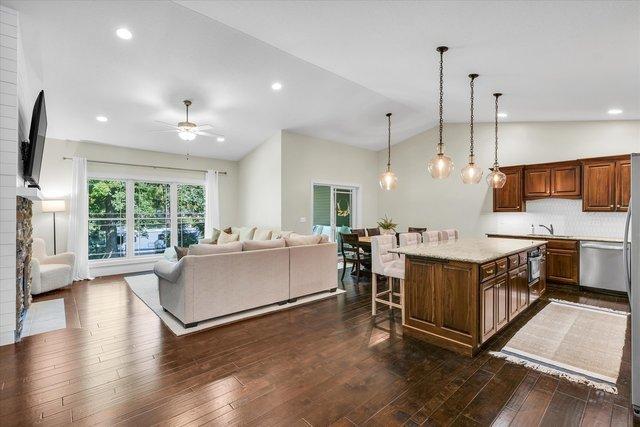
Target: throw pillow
{"points": [[300, 240], [228, 230], [257, 245], [280, 234], [324, 238], [170, 254], [262, 234], [180, 252], [222, 248], [244, 233], [215, 234], [226, 238]]}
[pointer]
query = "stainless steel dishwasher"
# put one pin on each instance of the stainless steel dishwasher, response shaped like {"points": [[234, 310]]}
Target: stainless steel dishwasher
{"points": [[602, 267]]}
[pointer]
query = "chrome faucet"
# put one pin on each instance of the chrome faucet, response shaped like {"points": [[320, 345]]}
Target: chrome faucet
{"points": [[549, 229]]}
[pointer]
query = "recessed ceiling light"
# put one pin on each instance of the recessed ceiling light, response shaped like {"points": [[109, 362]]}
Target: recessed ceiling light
{"points": [[220, 139], [503, 115], [124, 34], [276, 86], [614, 111], [102, 119]]}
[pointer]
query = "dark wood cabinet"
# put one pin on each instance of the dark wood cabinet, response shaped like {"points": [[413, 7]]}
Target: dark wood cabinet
{"points": [[623, 184], [560, 180], [523, 288], [510, 197], [514, 294], [488, 309], [566, 181], [537, 182], [563, 261], [598, 182], [501, 302]]}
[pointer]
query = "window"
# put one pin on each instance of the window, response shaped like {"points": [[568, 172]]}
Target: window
{"points": [[129, 218], [191, 207], [152, 218], [107, 219]]}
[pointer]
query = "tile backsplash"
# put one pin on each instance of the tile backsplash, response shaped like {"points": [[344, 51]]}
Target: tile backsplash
{"points": [[565, 215]]}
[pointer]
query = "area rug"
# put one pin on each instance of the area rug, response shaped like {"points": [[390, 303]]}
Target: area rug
{"points": [[581, 343], [145, 287]]}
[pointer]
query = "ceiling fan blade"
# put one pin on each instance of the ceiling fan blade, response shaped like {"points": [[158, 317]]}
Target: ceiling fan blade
{"points": [[203, 127], [204, 133], [167, 124], [165, 131]]}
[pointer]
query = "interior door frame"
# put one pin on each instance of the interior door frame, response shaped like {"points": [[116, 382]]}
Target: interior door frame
{"points": [[357, 218]]}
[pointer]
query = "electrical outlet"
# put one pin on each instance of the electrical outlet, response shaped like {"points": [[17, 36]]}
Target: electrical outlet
{"points": [[303, 219]]}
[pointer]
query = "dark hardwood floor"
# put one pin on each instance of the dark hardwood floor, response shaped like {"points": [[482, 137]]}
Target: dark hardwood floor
{"points": [[325, 363]]}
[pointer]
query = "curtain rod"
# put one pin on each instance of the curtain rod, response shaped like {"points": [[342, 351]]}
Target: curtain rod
{"points": [[148, 166]]}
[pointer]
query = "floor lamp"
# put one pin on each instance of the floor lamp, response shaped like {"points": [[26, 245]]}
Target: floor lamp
{"points": [[53, 206]]}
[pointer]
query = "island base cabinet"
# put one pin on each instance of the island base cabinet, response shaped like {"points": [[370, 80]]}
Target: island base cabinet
{"points": [[441, 300]]}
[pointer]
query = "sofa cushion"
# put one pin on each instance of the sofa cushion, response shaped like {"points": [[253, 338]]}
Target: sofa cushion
{"points": [[262, 234], [256, 245], [301, 240], [244, 233], [222, 248], [280, 234], [226, 237]]}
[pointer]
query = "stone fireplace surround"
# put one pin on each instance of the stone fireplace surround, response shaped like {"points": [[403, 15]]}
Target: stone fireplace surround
{"points": [[24, 230]]}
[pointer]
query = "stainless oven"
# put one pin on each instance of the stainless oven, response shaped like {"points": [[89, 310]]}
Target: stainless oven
{"points": [[534, 257]]}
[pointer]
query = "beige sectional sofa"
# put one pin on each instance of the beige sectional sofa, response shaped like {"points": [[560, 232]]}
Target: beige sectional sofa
{"points": [[202, 287]]}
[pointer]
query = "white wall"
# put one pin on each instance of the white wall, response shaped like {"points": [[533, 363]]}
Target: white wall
{"points": [[306, 159], [423, 201], [8, 170], [55, 178], [260, 185]]}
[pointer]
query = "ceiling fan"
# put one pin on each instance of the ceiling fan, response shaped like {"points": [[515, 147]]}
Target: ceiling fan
{"points": [[187, 131]]}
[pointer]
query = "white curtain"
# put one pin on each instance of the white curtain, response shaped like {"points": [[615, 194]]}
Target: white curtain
{"points": [[212, 207], [78, 234]]}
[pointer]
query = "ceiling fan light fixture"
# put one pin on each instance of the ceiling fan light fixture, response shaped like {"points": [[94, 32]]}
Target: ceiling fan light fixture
{"points": [[220, 139], [186, 135]]}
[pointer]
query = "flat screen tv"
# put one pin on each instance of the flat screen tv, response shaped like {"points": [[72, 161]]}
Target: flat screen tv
{"points": [[32, 155]]}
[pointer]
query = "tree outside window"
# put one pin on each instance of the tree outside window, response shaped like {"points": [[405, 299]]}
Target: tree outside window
{"points": [[152, 217], [191, 207], [107, 219]]}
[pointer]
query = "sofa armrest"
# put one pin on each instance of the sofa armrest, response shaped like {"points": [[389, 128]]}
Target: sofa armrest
{"points": [[168, 270], [68, 258], [36, 282]]}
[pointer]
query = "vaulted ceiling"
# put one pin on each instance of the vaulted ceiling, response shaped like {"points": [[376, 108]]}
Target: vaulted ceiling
{"points": [[343, 65]]}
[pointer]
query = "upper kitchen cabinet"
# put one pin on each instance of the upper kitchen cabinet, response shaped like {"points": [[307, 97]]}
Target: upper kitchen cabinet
{"points": [[561, 180], [510, 197], [623, 184], [606, 184]]}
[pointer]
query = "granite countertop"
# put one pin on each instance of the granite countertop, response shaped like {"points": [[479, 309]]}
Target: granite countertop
{"points": [[476, 250], [554, 237]]}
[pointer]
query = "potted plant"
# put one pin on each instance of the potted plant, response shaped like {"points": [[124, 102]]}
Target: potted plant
{"points": [[387, 225]]}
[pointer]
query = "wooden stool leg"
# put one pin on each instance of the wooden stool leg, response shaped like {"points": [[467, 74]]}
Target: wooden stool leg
{"points": [[391, 280], [374, 291]]}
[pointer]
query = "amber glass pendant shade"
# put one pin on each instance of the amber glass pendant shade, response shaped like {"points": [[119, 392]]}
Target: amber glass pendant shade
{"points": [[440, 166], [471, 173], [496, 179], [388, 181]]}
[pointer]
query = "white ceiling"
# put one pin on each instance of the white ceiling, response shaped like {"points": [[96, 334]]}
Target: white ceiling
{"points": [[343, 66]]}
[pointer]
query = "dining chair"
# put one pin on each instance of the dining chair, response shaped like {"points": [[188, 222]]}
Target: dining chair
{"points": [[431, 236], [373, 231], [449, 234], [353, 253], [359, 231], [417, 229], [388, 264]]}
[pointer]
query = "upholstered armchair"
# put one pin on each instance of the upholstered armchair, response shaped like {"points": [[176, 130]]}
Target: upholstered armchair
{"points": [[49, 272]]}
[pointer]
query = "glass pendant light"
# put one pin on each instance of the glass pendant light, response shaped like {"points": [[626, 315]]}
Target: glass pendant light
{"points": [[496, 179], [441, 165], [472, 173], [388, 179]]}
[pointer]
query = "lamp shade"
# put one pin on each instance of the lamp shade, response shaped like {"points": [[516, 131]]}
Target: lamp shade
{"points": [[53, 206]]}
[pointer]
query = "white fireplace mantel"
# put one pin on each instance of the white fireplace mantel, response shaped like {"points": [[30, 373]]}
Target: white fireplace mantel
{"points": [[29, 193]]}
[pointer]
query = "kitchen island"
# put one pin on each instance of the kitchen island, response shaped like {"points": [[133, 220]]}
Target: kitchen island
{"points": [[460, 293]]}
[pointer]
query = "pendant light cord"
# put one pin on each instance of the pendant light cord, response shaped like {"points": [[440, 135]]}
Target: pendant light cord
{"points": [[440, 143], [472, 76], [389, 142], [495, 163]]}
